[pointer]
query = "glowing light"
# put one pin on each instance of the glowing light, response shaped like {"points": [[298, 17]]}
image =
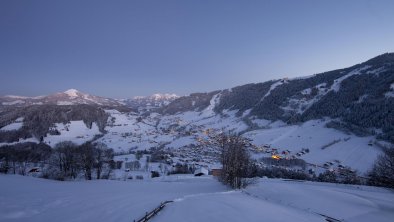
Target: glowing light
{"points": [[276, 157]]}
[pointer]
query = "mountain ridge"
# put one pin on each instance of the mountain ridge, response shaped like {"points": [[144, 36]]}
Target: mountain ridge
{"points": [[359, 98]]}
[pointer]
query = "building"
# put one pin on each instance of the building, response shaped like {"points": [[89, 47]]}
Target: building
{"points": [[216, 172], [201, 171]]}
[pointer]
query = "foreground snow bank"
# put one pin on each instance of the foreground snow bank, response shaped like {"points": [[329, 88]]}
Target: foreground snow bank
{"points": [[32, 199], [231, 206], [344, 202], [195, 199], [284, 200]]}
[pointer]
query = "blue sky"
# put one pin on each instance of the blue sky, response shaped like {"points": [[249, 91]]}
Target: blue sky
{"points": [[126, 48]]}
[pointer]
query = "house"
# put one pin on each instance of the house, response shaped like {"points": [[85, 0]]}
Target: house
{"points": [[216, 172], [201, 171]]}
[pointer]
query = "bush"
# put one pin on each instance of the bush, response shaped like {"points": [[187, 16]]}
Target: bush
{"points": [[327, 176], [277, 172]]}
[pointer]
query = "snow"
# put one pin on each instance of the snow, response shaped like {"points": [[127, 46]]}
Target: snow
{"points": [[212, 103], [13, 102], [306, 91], [195, 199], [182, 141], [273, 86], [16, 97], [31, 199], [343, 202], [32, 139], [16, 125], [246, 112], [201, 170], [12, 126], [337, 83], [281, 200], [127, 132], [231, 206], [351, 150], [260, 122], [391, 92], [64, 103], [75, 131], [159, 96], [361, 98], [377, 71], [300, 105], [72, 92]]}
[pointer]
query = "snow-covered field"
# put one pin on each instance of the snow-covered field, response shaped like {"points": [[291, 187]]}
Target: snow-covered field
{"points": [[75, 131], [195, 199], [32, 199], [184, 132], [350, 150]]}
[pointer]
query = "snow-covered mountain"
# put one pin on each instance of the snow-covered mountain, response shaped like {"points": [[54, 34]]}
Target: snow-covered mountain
{"points": [[337, 118], [68, 97], [358, 99], [144, 103]]}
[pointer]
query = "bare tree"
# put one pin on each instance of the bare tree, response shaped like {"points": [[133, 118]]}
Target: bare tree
{"points": [[235, 159], [66, 158], [103, 155], [382, 173], [87, 159]]}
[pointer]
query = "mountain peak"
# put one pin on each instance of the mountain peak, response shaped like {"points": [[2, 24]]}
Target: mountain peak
{"points": [[72, 92], [159, 96]]}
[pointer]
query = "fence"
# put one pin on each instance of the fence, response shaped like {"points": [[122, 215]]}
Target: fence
{"points": [[151, 214]]}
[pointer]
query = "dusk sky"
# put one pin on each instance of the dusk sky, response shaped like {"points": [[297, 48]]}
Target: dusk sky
{"points": [[126, 48]]}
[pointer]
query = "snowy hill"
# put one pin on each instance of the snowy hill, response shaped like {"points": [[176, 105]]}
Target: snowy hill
{"points": [[357, 98], [340, 118], [68, 97], [195, 199], [146, 103]]}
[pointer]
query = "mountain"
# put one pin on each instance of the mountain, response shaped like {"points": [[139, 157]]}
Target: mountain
{"points": [[338, 118], [359, 98], [69, 97], [146, 103]]}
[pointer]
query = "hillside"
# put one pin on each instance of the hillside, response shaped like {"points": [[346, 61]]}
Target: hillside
{"points": [[359, 98], [147, 103], [195, 199], [343, 118], [68, 97], [39, 121]]}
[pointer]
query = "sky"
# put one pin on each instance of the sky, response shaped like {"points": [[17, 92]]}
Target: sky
{"points": [[127, 48]]}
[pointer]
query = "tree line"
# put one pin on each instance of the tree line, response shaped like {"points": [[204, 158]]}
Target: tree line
{"points": [[66, 160]]}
